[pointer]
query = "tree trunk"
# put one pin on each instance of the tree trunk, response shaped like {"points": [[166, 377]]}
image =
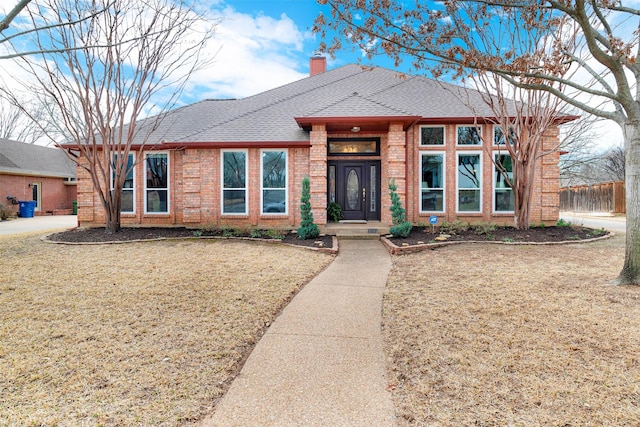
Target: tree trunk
{"points": [[112, 209], [630, 274]]}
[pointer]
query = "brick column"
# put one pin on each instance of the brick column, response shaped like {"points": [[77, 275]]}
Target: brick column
{"points": [[191, 187], [318, 173], [85, 194], [550, 177], [396, 165]]}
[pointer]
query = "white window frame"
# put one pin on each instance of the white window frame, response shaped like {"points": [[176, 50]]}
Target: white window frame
{"points": [[493, 185], [167, 189], [444, 135], [286, 181], [479, 127], [444, 180], [468, 153], [246, 181], [132, 189]]}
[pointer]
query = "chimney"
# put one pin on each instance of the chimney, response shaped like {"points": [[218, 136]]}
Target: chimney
{"points": [[317, 65]]}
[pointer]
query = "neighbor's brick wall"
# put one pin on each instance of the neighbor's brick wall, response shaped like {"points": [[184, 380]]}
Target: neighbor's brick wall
{"points": [[56, 195]]}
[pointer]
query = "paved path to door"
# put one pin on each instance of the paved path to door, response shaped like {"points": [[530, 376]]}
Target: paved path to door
{"points": [[38, 223], [321, 363]]}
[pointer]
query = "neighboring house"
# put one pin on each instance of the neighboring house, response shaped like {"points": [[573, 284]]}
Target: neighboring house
{"points": [[241, 162], [33, 172]]}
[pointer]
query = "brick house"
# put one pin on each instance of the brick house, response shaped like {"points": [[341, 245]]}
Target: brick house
{"points": [[33, 172], [241, 162]]}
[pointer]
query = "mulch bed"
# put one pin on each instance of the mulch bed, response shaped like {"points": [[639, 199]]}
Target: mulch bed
{"points": [[549, 234], [98, 235]]}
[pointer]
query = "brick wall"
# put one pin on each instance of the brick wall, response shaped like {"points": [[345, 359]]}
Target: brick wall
{"points": [[56, 195]]}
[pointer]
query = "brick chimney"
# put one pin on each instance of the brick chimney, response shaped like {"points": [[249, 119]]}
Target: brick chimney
{"points": [[317, 65]]}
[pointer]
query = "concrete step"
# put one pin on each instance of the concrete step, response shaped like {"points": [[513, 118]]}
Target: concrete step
{"points": [[360, 230]]}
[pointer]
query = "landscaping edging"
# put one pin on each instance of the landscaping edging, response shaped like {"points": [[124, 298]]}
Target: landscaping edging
{"points": [[332, 250], [399, 250]]}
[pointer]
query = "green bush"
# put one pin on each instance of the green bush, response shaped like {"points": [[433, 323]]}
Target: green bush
{"points": [[308, 229], [274, 234], [401, 227], [454, 227], [334, 211], [484, 228], [562, 223]]}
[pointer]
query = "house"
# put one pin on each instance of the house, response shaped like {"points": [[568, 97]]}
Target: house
{"points": [[241, 162], [34, 172]]}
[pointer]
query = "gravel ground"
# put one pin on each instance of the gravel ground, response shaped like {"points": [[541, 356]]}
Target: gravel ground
{"points": [[486, 335], [134, 334]]}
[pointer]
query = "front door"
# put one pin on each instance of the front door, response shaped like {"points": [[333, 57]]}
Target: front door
{"points": [[355, 186]]}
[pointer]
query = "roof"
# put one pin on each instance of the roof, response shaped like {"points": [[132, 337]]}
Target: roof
{"points": [[18, 158], [347, 96]]}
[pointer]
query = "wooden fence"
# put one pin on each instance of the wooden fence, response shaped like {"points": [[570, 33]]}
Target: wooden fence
{"points": [[605, 197]]}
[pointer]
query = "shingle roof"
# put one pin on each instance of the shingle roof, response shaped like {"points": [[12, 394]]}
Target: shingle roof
{"points": [[348, 91], [30, 159]]}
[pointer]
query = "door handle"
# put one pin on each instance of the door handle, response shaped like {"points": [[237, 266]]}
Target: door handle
{"points": [[364, 194]]}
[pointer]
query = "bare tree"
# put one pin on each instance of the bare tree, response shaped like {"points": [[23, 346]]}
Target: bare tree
{"points": [[598, 39], [18, 126], [106, 73]]}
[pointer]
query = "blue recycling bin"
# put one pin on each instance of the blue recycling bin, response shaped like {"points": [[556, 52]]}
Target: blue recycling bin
{"points": [[27, 208]]}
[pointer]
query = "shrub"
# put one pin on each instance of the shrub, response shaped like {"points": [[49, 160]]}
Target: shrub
{"points": [[454, 227], [485, 228], [334, 211], [274, 234], [308, 229], [562, 223], [401, 227], [5, 212]]}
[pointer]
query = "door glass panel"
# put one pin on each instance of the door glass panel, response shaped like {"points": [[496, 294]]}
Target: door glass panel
{"points": [[372, 186], [353, 189], [332, 184]]}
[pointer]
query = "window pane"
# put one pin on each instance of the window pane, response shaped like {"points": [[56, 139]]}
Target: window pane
{"points": [[469, 135], [432, 167], [372, 185], [157, 170], [332, 184], [274, 169], [353, 146], [469, 171], [127, 201], [469, 200], [498, 136], [499, 173], [234, 201], [433, 200], [273, 201], [234, 169], [504, 200], [157, 201], [432, 136]]}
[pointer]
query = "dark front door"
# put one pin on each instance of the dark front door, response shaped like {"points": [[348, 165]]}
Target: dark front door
{"points": [[355, 186]]}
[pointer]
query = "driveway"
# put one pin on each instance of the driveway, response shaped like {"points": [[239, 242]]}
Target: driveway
{"points": [[38, 223], [617, 224]]}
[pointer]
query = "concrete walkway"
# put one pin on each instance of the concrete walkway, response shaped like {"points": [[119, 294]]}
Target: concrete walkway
{"points": [[38, 223], [321, 363]]}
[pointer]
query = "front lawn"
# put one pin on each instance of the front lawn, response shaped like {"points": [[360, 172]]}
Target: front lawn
{"points": [[134, 334], [486, 335]]}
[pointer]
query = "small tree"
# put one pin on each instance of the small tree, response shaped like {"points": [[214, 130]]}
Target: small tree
{"points": [[308, 229], [401, 227]]}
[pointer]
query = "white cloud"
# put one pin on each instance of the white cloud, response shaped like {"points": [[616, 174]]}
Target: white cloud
{"points": [[253, 54]]}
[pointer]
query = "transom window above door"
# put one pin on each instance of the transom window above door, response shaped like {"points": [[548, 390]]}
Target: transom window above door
{"points": [[354, 146]]}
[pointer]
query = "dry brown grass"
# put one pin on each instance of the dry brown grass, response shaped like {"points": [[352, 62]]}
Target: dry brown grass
{"points": [[133, 334], [514, 336]]}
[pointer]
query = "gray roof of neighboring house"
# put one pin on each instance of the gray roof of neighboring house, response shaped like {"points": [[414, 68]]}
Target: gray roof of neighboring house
{"points": [[18, 158], [348, 91]]}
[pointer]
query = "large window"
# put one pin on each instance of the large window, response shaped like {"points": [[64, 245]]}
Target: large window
{"points": [[157, 183], [469, 135], [128, 189], [503, 194], [469, 183], [234, 182], [274, 181], [431, 135], [432, 183]]}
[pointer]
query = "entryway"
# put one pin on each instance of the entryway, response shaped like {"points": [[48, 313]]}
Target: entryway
{"points": [[355, 186]]}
